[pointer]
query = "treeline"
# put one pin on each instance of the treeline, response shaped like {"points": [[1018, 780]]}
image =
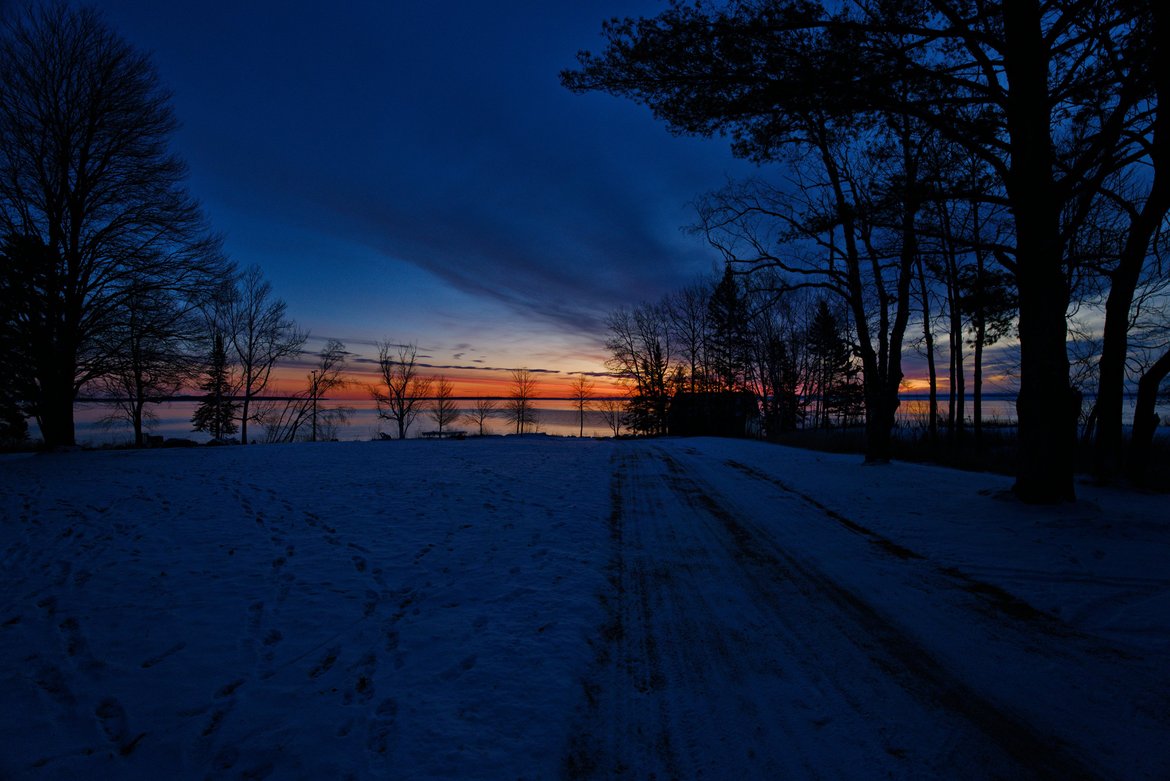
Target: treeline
{"points": [[687, 357], [982, 156]]}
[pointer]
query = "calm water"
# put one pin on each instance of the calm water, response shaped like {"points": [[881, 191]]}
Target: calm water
{"points": [[173, 419]]}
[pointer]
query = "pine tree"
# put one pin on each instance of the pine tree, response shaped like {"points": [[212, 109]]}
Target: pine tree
{"points": [[728, 316], [216, 414], [835, 381]]}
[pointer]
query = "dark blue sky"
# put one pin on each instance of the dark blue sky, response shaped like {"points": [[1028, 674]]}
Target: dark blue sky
{"points": [[414, 170]]}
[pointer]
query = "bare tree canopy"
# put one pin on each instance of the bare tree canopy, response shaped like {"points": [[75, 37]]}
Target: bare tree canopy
{"points": [[303, 416], [480, 412], [518, 406], [406, 389], [582, 396], [261, 334], [442, 407], [92, 204]]}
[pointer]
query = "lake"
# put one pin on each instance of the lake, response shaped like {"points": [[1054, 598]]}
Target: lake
{"points": [[554, 417]]}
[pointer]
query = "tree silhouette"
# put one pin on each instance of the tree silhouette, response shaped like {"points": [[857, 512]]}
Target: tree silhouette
{"points": [[216, 413], [287, 420], [89, 197], [406, 389], [582, 396], [518, 406], [479, 413], [261, 335], [154, 357], [1053, 98], [442, 407]]}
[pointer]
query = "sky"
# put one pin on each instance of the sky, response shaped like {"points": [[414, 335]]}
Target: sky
{"points": [[415, 172]]}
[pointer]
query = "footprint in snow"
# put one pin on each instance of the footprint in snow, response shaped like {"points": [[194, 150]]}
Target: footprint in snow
{"points": [[364, 683], [228, 689], [456, 671], [326, 663], [152, 661], [381, 729]]}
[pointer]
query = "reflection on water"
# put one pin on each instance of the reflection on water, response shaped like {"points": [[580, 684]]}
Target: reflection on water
{"points": [[173, 419]]}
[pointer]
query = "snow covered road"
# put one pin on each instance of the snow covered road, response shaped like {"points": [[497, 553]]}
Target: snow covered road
{"points": [[542, 608], [735, 654]]}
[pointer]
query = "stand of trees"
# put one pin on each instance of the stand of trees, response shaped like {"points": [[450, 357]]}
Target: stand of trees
{"points": [[518, 408], [789, 350], [105, 254], [1021, 138]]}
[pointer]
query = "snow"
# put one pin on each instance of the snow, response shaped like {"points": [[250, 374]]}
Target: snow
{"points": [[543, 607]]}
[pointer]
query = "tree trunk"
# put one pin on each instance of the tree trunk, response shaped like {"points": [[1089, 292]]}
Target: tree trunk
{"points": [[1047, 422], [244, 410], [977, 401], [136, 416], [1145, 422], [932, 371], [57, 391], [55, 417], [1109, 407]]}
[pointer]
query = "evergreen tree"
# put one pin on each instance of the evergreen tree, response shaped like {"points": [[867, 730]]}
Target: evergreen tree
{"points": [[836, 389], [217, 412], [728, 317]]}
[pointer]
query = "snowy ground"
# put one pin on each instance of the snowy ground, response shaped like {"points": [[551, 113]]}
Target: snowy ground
{"points": [[543, 608]]}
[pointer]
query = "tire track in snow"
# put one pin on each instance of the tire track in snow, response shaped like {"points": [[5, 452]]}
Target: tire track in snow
{"points": [[723, 656], [904, 659]]}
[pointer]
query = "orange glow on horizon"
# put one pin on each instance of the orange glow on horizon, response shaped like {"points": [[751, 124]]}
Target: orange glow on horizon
{"points": [[466, 383]]}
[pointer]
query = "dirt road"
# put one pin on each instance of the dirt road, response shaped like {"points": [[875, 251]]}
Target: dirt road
{"points": [[732, 651]]}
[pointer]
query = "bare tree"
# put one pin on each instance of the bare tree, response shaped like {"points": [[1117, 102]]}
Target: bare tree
{"points": [[689, 313], [260, 335], [405, 387], [613, 412], [582, 396], [156, 356], [286, 421], [480, 412], [91, 199], [639, 344], [442, 408], [518, 406]]}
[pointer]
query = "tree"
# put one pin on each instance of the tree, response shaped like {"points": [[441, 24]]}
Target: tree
{"points": [[727, 317], [1146, 216], [20, 282], [518, 406], [89, 196], [582, 396], [442, 409], [153, 359], [639, 345], [479, 413], [216, 413], [779, 354], [261, 335], [688, 312], [614, 414], [406, 389], [833, 375], [286, 421], [1051, 97]]}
